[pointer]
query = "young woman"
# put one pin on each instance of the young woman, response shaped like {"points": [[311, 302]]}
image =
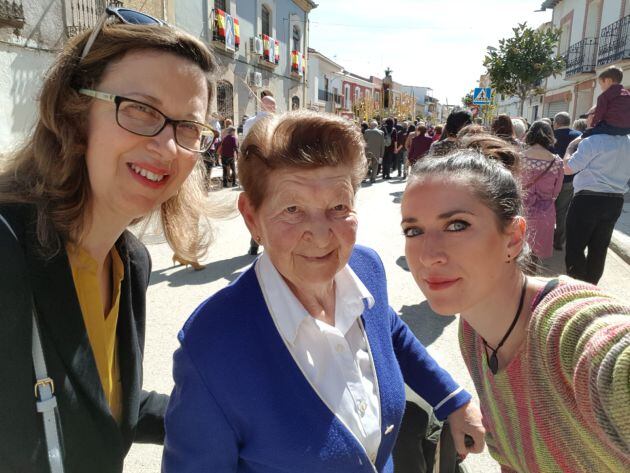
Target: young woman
{"points": [[300, 365], [549, 359], [116, 140]]}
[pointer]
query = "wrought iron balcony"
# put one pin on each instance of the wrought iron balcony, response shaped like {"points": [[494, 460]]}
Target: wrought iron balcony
{"points": [[11, 13], [581, 57], [84, 14], [614, 42]]}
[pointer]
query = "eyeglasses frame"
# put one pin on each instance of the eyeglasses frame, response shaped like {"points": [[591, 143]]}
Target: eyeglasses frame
{"points": [[118, 99]]}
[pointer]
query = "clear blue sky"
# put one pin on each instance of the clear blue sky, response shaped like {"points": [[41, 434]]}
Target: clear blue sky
{"points": [[434, 43]]}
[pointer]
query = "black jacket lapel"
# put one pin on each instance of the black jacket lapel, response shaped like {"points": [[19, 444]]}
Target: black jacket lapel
{"points": [[129, 359], [59, 314]]}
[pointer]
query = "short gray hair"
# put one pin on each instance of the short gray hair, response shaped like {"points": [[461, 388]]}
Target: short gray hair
{"points": [[562, 119], [519, 128], [373, 123]]}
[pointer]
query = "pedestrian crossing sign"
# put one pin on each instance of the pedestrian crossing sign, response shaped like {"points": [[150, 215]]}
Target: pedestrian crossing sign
{"points": [[482, 96]]}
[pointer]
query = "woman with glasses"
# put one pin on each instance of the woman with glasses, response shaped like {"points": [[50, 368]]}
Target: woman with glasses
{"points": [[116, 140]]}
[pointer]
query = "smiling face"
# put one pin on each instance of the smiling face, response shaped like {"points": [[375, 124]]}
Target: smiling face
{"points": [[131, 175], [455, 248], [307, 223]]}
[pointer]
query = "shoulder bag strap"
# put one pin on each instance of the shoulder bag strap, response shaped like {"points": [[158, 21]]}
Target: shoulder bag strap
{"points": [[550, 286], [541, 174], [44, 390]]}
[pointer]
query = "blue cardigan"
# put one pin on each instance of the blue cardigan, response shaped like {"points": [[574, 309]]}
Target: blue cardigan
{"points": [[241, 404]]}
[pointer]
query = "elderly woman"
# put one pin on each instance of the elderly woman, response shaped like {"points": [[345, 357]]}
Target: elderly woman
{"points": [[300, 364]]}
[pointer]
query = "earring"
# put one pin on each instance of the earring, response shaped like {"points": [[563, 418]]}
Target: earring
{"points": [[258, 240], [509, 258]]}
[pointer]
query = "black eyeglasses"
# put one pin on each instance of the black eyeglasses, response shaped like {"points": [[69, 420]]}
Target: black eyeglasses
{"points": [[143, 119], [124, 15]]}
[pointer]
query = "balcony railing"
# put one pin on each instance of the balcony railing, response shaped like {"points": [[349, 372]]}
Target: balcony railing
{"points": [[328, 97], [614, 42], [11, 13], [84, 14], [581, 57]]}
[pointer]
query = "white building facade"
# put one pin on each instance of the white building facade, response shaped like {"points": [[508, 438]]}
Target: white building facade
{"points": [[31, 34], [324, 83], [260, 45], [595, 34]]}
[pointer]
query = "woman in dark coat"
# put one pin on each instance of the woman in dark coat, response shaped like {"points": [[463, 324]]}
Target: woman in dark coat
{"points": [[102, 155]]}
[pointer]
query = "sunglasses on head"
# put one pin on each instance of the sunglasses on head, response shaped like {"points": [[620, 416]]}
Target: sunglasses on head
{"points": [[123, 15]]}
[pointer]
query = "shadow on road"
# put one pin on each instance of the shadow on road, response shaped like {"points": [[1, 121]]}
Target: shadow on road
{"points": [[426, 325], [227, 268], [402, 262], [397, 197]]}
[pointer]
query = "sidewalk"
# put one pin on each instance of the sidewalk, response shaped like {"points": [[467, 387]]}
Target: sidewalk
{"points": [[620, 242]]}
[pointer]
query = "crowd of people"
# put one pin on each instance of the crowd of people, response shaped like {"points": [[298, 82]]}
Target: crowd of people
{"points": [[549, 160], [300, 364]]}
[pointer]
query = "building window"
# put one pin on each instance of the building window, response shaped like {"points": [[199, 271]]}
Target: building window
{"points": [[296, 39], [357, 94], [221, 5], [225, 100], [265, 19], [347, 98], [295, 102]]}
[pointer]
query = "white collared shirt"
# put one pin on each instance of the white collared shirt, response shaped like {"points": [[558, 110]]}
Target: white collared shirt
{"points": [[336, 361]]}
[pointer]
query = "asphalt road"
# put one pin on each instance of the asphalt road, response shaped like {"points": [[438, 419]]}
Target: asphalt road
{"points": [[176, 291]]}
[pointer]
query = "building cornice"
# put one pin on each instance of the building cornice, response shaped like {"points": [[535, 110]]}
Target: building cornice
{"points": [[549, 4], [306, 5]]}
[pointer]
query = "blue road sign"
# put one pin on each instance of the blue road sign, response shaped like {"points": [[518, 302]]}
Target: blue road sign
{"points": [[482, 95]]}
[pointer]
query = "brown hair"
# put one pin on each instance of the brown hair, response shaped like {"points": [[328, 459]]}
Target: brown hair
{"points": [[613, 73], [471, 130], [494, 148], [49, 170], [298, 139], [421, 130], [541, 134], [502, 126], [438, 129]]}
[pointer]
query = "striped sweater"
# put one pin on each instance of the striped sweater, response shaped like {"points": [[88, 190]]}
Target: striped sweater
{"points": [[563, 403]]}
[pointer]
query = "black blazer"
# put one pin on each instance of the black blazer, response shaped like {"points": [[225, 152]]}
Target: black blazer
{"points": [[92, 440]]}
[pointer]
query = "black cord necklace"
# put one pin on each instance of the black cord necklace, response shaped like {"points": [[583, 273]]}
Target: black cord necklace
{"points": [[493, 361]]}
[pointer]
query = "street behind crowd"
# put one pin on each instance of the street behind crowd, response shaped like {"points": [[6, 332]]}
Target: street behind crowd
{"points": [[176, 291]]}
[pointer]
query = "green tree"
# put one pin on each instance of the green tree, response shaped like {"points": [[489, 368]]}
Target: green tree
{"points": [[520, 64]]}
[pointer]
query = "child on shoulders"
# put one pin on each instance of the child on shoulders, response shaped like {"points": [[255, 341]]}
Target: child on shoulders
{"points": [[612, 114]]}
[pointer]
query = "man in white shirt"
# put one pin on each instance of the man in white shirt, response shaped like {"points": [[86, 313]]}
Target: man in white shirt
{"points": [[268, 106], [602, 164]]}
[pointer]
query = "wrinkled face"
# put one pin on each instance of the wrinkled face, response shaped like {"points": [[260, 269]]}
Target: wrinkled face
{"points": [[454, 247], [307, 223], [131, 175]]}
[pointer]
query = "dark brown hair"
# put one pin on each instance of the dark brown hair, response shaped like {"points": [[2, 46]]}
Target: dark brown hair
{"points": [[502, 126], [613, 73], [298, 139], [494, 148], [541, 134]]}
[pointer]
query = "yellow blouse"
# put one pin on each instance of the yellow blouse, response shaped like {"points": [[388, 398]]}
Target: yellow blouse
{"points": [[101, 329]]}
